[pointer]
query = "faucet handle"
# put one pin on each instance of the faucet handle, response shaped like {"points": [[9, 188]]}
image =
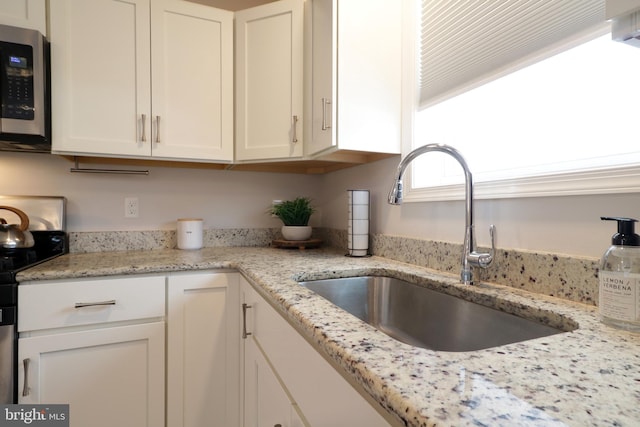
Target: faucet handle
{"points": [[484, 259]]}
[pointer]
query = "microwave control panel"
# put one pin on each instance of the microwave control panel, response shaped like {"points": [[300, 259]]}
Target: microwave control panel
{"points": [[16, 81]]}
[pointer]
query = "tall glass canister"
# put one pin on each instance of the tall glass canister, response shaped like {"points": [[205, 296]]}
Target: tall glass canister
{"points": [[358, 227]]}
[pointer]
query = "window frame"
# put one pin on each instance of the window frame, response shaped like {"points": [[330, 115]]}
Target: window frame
{"points": [[616, 179]]}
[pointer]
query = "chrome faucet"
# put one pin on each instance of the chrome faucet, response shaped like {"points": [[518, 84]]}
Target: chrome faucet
{"points": [[470, 258]]}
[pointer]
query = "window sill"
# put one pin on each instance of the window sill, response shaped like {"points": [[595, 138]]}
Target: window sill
{"points": [[600, 181]]}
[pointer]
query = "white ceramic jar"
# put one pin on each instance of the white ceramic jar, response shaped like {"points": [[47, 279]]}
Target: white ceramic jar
{"points": [[190, 231]]}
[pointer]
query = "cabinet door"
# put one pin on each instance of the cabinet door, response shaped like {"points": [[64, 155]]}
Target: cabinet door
{"points": [[109, 377], [324, 38], [25, 14], [357, 66], [192, 74], [203, 368], [266, 401], [100, 76], [269, 81]]}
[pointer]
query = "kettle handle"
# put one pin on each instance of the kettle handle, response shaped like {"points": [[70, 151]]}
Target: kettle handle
{"points": [[24, 219]]}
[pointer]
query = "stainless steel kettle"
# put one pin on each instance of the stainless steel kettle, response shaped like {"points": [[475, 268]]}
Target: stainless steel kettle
{"points": [[14, 236]]}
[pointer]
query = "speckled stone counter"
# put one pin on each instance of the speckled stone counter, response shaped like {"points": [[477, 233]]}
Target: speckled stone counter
{"points": [[587, 377]]}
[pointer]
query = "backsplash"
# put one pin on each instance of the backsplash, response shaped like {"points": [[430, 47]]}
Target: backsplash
{"points": [[108, 241], [570, 278]]}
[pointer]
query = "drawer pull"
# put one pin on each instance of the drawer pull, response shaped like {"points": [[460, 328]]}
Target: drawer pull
{"points": [[325, 102], [157, 129], [143, 138], [93, 304], [295, 126], [245, 334], [25, 388]]}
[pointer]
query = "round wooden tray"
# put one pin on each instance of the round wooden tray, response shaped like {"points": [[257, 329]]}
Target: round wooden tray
{"points": [[300, 244]]}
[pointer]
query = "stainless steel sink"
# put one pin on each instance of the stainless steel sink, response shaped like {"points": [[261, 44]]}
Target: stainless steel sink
{"points": [[426, 318]]}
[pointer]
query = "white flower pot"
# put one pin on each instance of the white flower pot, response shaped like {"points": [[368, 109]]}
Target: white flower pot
{"points": [[294, 232]]}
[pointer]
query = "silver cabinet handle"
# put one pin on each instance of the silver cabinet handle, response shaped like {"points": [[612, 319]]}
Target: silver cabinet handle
{"points": [[245, 334], [325, 102], [143, 138], [93, 304], [295, 127], [157, 129], [25, 388]]}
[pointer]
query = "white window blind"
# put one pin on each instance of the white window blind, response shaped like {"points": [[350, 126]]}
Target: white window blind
{"points": [[466, 43]]}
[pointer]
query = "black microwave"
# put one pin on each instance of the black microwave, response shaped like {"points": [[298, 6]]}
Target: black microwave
{"points": [[25, 115]]}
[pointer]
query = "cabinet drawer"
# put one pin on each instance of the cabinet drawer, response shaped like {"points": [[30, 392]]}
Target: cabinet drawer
{"points": [[47, 305]]}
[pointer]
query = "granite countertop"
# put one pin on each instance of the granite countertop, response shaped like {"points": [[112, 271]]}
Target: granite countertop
{"points": [[587, 377]]}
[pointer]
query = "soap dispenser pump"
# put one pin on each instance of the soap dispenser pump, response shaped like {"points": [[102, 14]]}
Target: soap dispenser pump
{"points": [[619, 299]]}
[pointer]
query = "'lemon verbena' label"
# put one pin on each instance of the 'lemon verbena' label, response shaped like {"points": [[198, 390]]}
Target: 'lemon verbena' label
{"points": [[619, 296]]}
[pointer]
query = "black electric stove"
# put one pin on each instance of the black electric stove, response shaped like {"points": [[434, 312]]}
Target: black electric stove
{"points": [[48, 245]]}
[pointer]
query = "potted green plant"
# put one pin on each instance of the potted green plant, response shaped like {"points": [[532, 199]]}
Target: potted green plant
{"points": [[295, 215]]}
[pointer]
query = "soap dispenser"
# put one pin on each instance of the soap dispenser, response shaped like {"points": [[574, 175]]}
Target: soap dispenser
{"points": [[619, 299]]}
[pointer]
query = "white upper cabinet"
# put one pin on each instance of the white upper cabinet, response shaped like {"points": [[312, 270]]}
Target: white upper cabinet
{"points": [[192, 75], [171, 80], [105, 56], [269, 81], [101, 78], [25, 14], [356, 76]]}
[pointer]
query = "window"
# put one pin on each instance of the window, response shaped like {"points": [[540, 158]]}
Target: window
{"points": [[564, 125]]}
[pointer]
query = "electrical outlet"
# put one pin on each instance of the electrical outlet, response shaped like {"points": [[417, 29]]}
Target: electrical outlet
{"points": [[131, 207], [273, 204]]}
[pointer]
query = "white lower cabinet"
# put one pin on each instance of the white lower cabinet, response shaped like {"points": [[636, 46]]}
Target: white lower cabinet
{"points": [[287, 382], [109, 377], [203, 361], [266, 400], [97, 346]]}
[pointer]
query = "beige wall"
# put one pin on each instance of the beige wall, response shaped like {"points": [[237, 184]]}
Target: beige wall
{"points": [[561, 225], [224, 199], [229, 199]]}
